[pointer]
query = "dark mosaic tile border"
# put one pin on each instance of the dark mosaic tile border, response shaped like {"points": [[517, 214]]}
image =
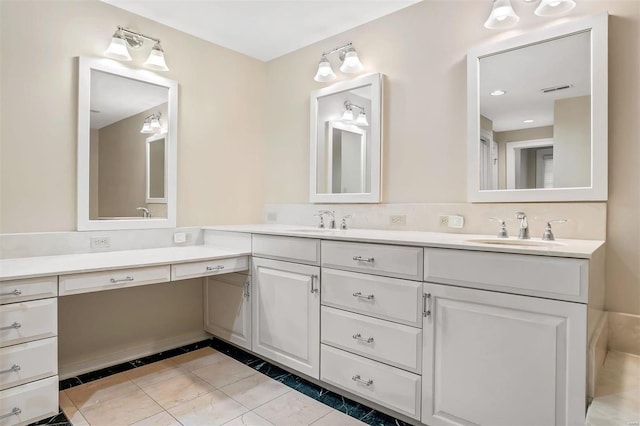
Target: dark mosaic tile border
{"points": [[347, 406]]}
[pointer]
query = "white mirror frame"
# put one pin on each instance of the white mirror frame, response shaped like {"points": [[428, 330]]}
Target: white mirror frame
{"points": [[598, 27], [151, 140], [85, 65], [375, 142]]}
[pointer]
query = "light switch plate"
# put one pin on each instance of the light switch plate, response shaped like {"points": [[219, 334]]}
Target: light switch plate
{"points": [[179, 237]]}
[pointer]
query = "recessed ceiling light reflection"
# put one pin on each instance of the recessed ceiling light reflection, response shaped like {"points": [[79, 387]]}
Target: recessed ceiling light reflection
{"points": [[528, 121], [498, 93]]}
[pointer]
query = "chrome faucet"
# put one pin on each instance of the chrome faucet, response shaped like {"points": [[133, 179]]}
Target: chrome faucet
{"points": [[343, 224], [524, 226], [332, 216], [145, 212]]}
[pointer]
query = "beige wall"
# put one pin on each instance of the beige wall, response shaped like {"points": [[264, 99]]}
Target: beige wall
{"points": [[422, 51], [572, 142], [219, 151]]}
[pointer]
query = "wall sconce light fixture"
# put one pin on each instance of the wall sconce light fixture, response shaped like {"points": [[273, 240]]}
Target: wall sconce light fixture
{"points": [[348, 114], [151, 124], [503, 16], [350, 63], [124, 38]]}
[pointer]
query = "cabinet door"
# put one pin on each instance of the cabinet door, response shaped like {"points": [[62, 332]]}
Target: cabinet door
{"points": [[501, 359], [227, 309], [286, 314]]}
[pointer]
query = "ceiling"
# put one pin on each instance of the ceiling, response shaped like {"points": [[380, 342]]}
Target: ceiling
{"points": [[524, 72], [263, 29]]}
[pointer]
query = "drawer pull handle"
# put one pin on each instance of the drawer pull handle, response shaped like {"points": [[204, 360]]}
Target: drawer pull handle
{"points": [[363, 296], [15, 292], [215, 268], [359, 337], [363, 259], [14, 368], [357, 378], [15, 412], [247, 286], [15, 325], [121, 280], [426, 304], [314, 277]]}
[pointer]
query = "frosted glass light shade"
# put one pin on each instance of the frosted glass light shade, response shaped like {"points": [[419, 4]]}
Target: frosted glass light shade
{"points": [[155, 124], [325, 72], [146, 127], [118, 48], [155, 61], [502, 16], [347, 115], [554, 7], [351, 62], [362, 119]]}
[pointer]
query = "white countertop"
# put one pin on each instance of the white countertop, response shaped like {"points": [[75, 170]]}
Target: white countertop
{"points": [[30, 267], [582, 249]]}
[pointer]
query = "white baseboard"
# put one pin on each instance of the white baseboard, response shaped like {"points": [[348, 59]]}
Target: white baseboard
{"points": [[75, 368], [597, 353]]}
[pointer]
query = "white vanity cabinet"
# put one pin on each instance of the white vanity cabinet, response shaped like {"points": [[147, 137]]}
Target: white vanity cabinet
{"points": [[227, 308], [286, 302], [502, 359]]}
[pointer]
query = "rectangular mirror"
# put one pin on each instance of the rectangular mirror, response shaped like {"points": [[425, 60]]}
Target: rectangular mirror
{"points": [[538, 115], [346, 144], [127, 128]]}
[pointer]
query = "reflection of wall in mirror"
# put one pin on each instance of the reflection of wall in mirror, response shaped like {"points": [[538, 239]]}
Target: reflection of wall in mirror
{"points": [[347, 162], [121, 152], [330, 108], [519, 135], [572, 142], [156, 168]]}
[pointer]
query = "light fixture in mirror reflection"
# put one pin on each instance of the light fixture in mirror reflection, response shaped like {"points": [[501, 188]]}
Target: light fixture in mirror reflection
{"points": [[126, 147], [537, 115], [345, 148]]}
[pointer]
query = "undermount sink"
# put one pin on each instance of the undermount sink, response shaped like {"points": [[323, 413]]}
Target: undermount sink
{"points": [[513, 242]]}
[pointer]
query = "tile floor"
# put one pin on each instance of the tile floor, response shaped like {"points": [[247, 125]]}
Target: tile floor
{"points": [[205, 383]]}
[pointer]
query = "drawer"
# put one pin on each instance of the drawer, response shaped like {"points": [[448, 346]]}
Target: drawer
{"points": [[388, 342], [26, 321], [387, 298], [379, 259], [29, 289], [27, 362], [543, 276], [295, 249], [184, 271], [28, 403], [388, 386], [118, 278]]}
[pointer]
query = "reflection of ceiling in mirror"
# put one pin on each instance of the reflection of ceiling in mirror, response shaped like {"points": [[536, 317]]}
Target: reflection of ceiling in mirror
{"points": [[521, 74], [114, 98]]}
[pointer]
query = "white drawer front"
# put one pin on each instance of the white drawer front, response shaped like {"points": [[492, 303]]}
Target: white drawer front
{"points": [[553, 277], [29, 403], [184, 271], [296, 249], [26, 321], [388, 342], [29, 289], [388, 386], [27, 362], [118, 278], [391, 261], [381, 297]]}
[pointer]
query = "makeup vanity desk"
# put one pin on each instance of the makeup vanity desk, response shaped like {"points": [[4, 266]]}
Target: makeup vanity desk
{"points": [[29, 288]]}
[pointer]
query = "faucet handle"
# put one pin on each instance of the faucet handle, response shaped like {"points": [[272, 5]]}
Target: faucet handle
{"points": [[502, 233], [321, 216], [548, 234], [343, 224]]}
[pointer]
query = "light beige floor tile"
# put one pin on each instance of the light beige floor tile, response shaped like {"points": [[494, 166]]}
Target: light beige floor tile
{"points": [[124, 410], [177, 389], [224, 371], [71, 411], [100, 390], [255, 390], [292, 408], [212, 409], [153, 373], [197, 359], [160, 419], [336, 418], [249, 419]]}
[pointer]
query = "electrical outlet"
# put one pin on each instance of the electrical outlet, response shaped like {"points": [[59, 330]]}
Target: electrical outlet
{"points": [[100, 242], [399, 219], [444, 220], [180, 237]]}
